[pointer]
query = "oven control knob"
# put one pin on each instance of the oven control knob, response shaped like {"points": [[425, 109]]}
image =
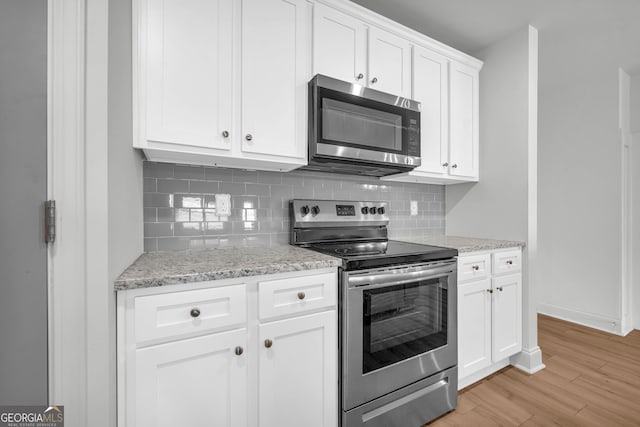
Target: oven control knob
{"points": [[372, 210], [315, 210], [364, 210], [381, 211], [304, 210]]}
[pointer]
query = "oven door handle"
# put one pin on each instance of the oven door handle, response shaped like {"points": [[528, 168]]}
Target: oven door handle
{"points": [[378, 280]]}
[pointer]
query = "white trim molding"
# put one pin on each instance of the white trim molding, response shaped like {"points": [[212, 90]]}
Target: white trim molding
{"points": [[590, 320], [528, 360], [66, 185], [626, 254]]}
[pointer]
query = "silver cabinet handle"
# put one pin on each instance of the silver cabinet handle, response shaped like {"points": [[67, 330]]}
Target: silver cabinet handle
{"points": [[499, 288], [301, 295], [509, 262], [455, 165], [268, 343], [475, 267], [225, 134], [445, 164], [239, 350], [490, 291], [360, 76], [374, 80], [248, 137]]}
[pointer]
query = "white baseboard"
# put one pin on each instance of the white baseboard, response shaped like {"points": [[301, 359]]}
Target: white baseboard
{"points": [[528, 360], [591, 320]]}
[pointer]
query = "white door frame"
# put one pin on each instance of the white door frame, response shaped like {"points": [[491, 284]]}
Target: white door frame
{"points": [[66, 184]]}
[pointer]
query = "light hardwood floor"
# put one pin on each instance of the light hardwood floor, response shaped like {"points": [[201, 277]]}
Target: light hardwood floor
{"points": [[592, 378]]}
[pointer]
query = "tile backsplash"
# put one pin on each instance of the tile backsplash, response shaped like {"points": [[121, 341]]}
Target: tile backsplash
{"points": [[180, 210]]}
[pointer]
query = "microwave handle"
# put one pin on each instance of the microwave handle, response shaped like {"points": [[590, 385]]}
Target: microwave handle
{"points": [[377, 280]]}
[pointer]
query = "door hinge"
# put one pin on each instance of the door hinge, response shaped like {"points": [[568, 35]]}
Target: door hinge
{"points": [[50, 221]]}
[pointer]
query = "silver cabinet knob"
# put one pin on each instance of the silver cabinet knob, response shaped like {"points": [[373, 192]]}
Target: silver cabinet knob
{"points": [[195, 312], [374, 80], [360, 76], [509, 262], [475, 267], [248, 137], [455, 165], [499, 288], [445, 164], [301, 295], [490, 291], [239, 350], [268, 343], [225, 134]]}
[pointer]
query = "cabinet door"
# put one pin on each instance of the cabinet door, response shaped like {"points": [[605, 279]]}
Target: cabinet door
{"points": [[389, 63], [275, 70], [430, 87], [186, 71], [193, 382], [298, 376], [474, 327], [463, 116], [507, 316], [339, 45]]}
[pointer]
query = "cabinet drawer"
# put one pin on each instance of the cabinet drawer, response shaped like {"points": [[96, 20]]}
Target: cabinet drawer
{"points": [[507, 262], [296, 295], [189, 312], [474, 267]]}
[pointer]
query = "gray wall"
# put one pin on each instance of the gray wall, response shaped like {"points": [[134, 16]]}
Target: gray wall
{"points": [[179, 207], [580, 161], [23, 166]]}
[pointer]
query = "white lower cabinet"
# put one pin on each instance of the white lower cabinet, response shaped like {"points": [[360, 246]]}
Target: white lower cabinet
{"points": [[489, 315], [298, 372], [204, 375], [225, 365]]}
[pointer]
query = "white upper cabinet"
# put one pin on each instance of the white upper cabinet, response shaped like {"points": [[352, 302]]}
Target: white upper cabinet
{"points": [[186, 66], [346, 48], [389, 63], [222, 82], [339, 46], [464, 110], [275, 73], [430, 83]]}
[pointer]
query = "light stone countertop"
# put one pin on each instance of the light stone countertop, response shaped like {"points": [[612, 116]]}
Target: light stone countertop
{"points": [[169, 268], [466, 244]]}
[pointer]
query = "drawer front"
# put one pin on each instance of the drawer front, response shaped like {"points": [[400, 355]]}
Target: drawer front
{"points": [[474, 267], [190, 312], [297, 295], [507, 262]]}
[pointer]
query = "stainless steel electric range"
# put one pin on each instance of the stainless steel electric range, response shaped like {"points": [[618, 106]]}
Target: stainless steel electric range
{"points": [[397, 314]]}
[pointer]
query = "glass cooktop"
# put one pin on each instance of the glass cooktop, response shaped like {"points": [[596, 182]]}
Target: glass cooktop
{"points": [[357, 255]]}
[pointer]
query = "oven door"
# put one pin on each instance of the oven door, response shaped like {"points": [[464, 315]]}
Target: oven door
{"points": [[399, 327], [352, 122]]}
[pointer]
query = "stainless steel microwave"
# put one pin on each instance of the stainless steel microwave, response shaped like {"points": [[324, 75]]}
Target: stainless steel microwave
{"points": [[358, 130]]}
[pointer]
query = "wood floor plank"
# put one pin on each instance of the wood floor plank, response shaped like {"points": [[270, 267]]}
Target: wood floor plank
{"points": [[592, 378]]}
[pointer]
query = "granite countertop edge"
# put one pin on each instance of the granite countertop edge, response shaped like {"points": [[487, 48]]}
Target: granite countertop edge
{"points": [[467, 244], [157, 269]]}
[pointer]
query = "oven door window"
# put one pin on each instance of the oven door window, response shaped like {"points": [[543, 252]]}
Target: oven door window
{"points": [[402, 321]]}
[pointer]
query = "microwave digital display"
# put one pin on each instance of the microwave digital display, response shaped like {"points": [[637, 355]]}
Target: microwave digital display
{"points": [[345, 210]]}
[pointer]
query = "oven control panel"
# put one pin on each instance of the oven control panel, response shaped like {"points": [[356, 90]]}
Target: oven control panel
{"points": [[325, 213]]}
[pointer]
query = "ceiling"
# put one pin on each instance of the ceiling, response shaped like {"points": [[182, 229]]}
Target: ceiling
{"points": [[471, 25]]}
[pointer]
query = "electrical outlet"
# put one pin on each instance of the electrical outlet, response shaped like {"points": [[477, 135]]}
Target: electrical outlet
{"points": [[414, 207], [223, 204]]}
